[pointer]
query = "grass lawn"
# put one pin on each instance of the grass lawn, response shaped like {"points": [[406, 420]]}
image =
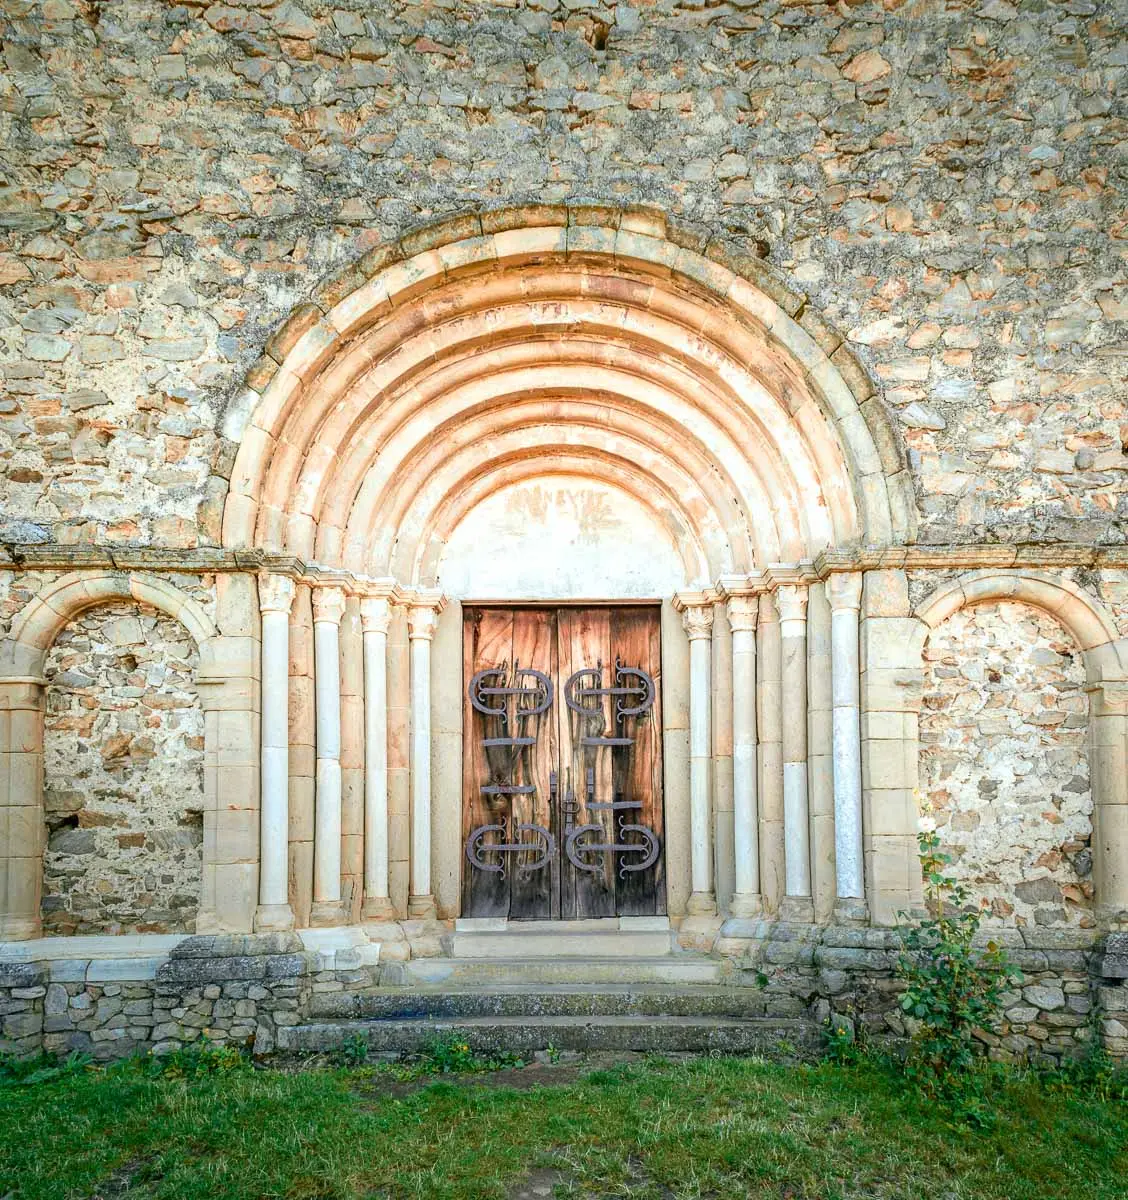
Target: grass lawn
{"points": [[690, 1128]]}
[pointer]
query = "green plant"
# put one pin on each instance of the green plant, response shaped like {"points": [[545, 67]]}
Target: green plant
{"points": [[353, 1051], [198, 1059], [448, 1054], [841, 1043], [1093, 1073], [43, 1068], [953, 988]]}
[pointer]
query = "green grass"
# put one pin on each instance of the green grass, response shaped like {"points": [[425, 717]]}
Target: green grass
{"points": [[695, 1128]]}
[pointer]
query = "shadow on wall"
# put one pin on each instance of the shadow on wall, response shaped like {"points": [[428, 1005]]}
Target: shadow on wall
{"points": [[123, 763], [1004, 763]]}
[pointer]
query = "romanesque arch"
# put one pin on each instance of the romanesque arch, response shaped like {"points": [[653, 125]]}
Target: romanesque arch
{"points": [[22, 656], [524, 345], [1105, 654], [515, 341]]}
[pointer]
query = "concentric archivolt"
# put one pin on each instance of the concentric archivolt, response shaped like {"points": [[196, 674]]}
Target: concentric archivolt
{"points": [[602, 350]]}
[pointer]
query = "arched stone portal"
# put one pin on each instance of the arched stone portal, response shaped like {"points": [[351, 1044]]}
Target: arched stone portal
{"points": [[227, 684], [632, 418]]}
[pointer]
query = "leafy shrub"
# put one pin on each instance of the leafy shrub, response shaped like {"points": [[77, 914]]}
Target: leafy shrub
{"points": [[953, 988]]}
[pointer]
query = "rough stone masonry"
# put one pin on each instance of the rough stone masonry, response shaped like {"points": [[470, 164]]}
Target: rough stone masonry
{"points": [[942, 183]]}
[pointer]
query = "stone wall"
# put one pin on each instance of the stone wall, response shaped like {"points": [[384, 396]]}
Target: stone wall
{"points": [[124, 756], [936, 178], [268, 993], [1003, 762], [232, 989]]}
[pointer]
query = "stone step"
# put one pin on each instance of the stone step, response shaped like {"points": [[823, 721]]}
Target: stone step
{"points": [[583, 925], [579, 1000], [525, 1034], [502, 972], [532, 942]]}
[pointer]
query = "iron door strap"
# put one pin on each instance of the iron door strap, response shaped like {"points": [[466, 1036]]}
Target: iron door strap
{"points": [[575, 847], [628, 682], [544, 847], [633, 692], [480, 691]]}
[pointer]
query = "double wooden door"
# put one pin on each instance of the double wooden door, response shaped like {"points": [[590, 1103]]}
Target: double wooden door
{"points": [[562, 763]]}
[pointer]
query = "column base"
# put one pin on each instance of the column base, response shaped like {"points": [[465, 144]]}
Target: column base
{"points": [[274, 918], [746, 904], [422, 908], [377, 908], [207, 921], [326, 913], [797, 910], [702, 904], [20, 929], [851, 910]]}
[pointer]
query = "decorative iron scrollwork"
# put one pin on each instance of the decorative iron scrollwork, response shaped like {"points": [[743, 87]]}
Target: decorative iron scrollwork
{"points": [[480, 692], [490, 691], [575, 848], [633, 692], [576, 693], [544, 847]]}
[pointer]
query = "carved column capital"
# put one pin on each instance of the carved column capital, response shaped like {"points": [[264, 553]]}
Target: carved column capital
{"points": [[275, 593], [328, 604], [791, 603], [375, 614], [698, 620], [844, 590], [743, 613], [422, 620]]}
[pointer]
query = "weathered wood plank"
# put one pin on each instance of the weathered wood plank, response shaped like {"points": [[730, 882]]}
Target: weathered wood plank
{"points": [[585, 643], [532, 893], [487, 642], [637, 776]]}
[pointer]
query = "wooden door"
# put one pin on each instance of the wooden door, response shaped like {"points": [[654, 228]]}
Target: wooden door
{"points": [[509, 750], [562, 763]]}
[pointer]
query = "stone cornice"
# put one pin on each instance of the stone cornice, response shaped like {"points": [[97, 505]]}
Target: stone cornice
{"points": [[47, 557], [971, 557]]}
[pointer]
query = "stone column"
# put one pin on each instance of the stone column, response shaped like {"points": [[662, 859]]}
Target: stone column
{"points": [[697, 619], [376, 616], [1108, 755], [421, 621], [791, 603], [724, 853], [820, 752], [845, 593], [742, 614], [303, 754], [399, 760], [328, 609], [352, 759], [22, 831], [770, 754], [891, 675], [275, 595]]}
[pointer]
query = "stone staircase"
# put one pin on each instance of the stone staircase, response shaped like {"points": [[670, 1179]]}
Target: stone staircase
{"points": [[524, 1018], [575, 988]]}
